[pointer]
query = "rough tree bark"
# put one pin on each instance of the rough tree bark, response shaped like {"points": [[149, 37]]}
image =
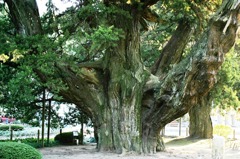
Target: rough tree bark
{"points": [[200, 120], [128, 103]]}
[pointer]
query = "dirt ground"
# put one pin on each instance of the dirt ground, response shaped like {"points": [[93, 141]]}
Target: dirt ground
{"points": [[175, 149]]}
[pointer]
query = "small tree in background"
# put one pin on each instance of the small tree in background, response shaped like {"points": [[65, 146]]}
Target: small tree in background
{"points": [[76, 116]]}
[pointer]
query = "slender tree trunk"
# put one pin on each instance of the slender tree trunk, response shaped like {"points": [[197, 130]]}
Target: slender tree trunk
{"points": [[43, 115], [81, 130], [200, 120], [49, 121]]}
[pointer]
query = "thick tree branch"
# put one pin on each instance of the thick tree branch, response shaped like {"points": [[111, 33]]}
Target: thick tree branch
{"points": [[94, 65], [172, 52], [80, 92], [25, 16], [153, 82], [193, 77], [199, 15]]}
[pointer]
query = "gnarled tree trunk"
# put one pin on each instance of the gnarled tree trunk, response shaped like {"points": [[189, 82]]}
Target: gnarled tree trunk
{"points": [[123, 94]]}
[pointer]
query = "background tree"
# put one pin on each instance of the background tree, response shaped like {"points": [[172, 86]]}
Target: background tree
{"points": [[225, 95], [94, 61], [76, 116], [22, 96]]}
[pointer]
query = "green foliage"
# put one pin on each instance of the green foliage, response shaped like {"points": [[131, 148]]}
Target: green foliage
{"points": [[34, 142], [13, 127], [103, 37], [75, 116], [197, 13], [21, 87], [14, 150], [225, 93], [19, 90], [222, 130], [66, 138], [22, 94]]}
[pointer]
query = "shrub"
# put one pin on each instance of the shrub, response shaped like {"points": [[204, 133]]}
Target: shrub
{"points": [[66, 138], [13, 127], [14, 150], [34, 142], [222, 130], [38, 144]]}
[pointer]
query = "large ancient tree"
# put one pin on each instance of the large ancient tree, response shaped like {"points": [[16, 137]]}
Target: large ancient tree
{"points": [[128, 103]]}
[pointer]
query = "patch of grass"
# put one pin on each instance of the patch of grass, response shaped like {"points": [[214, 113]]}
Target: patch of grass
{"points": [[181, 141], [222, 130], [13, 127]]}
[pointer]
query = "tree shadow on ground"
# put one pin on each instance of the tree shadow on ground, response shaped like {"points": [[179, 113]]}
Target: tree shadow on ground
{"points": [[169, 141]]}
